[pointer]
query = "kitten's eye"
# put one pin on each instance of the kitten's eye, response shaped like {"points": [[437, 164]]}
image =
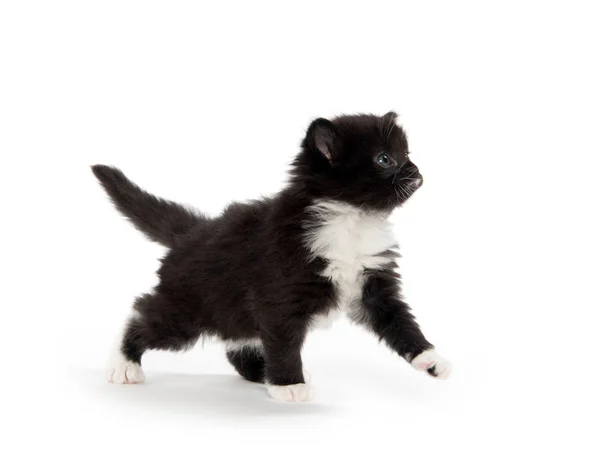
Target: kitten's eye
{"points": [[384, 161]]}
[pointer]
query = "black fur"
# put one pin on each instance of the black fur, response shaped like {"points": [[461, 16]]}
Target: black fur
{"points": [[162, 221], [389, 316], [249, 362], [247, 274]]}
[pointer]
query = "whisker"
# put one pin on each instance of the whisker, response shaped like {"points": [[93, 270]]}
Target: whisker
{"points": [[397, 194], [406, 191]]}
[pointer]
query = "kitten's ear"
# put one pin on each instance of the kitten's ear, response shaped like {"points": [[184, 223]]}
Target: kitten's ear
{"points": [[390, 117], [321, 137], [386, 124]]}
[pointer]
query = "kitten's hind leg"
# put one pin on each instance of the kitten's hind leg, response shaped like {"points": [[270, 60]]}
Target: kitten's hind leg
{"points": [[155, 323], [125, 361], [248, 361]]}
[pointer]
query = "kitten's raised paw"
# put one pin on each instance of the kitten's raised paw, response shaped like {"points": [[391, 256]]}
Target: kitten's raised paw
{"points": [[293, 393], [123, 371], [433, 364]]}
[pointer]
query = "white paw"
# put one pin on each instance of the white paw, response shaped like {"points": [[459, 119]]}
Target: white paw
{"points": [[122, 371], [293, 393], [433, 364]]}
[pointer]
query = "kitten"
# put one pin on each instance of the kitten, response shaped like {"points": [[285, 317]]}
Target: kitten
{"points": [[263, 273]]}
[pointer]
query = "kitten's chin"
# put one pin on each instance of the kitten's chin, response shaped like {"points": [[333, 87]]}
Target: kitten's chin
{"points": [[406, 191]]}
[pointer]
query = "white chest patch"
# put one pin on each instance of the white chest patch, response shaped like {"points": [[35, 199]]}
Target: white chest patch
{"points": [[351, 240]]}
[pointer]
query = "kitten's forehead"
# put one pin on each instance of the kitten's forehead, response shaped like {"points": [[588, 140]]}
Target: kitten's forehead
{"points": [[375, 129]]}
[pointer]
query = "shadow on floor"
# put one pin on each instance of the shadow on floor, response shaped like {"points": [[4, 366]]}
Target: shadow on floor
{"points": [[207, 395]]}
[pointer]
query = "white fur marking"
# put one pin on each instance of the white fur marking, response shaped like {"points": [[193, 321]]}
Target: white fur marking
{"points": [[293, 393], [351, 240], [235, 345], [429, 359]]}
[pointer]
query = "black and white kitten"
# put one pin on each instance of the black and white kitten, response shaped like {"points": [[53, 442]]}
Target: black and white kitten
{"points": [[264, 273]]}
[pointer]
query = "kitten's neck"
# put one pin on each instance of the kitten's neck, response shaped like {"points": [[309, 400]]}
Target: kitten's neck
{"points": [[306, 196]]}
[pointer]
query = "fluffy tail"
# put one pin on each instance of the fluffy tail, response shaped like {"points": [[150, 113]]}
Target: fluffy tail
{"points": [[162, 221]]}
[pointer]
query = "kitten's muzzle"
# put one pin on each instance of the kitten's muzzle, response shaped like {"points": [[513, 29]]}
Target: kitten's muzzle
{"points": [[412, 179], [416, 181]]}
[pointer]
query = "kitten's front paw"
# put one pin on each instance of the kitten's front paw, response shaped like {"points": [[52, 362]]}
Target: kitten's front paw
{"points": [[293, 393], [433, 364], [123, 371]]}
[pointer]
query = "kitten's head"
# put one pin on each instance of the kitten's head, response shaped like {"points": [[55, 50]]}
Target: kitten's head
{"points": [[358, 159]]}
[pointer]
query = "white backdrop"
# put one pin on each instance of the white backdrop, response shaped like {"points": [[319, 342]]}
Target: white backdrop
{"points": [[206, 103]]}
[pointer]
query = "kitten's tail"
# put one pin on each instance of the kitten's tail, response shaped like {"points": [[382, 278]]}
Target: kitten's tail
{"points": [[161, 220]]}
